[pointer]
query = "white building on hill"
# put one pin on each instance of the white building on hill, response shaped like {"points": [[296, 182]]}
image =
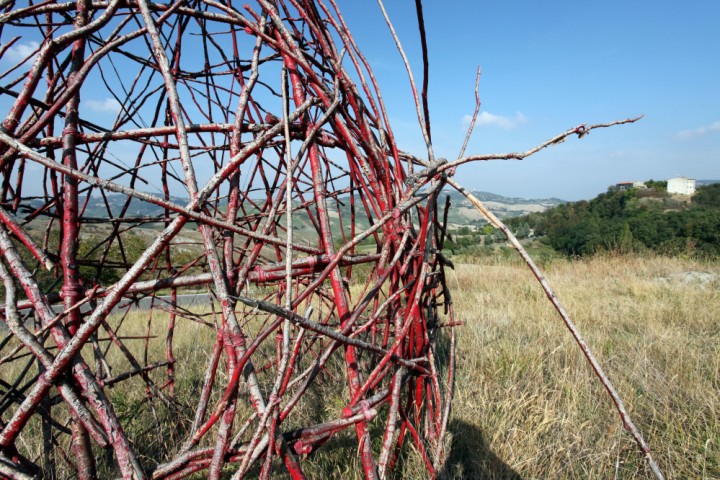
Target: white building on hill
{"points": [[681, 185]]}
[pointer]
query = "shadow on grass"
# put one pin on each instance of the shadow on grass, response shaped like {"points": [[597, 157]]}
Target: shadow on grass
{"points": [[470, 457]]}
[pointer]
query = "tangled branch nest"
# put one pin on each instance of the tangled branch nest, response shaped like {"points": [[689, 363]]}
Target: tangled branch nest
{"points": [[152, 149]]}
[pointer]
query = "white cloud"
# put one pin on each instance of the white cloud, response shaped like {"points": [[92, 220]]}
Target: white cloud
{"points": [[20, 51], [107, 105], [488, 119], [698, 132]]}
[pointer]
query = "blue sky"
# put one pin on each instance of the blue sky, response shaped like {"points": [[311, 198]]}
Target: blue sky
{"points": [[549, 66]]}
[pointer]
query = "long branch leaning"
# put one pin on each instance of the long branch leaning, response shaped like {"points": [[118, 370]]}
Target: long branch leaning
{"points": [[150, 150]]}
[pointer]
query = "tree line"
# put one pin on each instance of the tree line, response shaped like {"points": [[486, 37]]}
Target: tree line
{"points": [[634, 220]]}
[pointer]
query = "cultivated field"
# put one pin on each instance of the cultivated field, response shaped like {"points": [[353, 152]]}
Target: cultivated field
{"points": [[526, 404]]}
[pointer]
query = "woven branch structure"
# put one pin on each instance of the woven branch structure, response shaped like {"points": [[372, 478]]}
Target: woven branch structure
{"points": [[148, 150], [155, 152]]}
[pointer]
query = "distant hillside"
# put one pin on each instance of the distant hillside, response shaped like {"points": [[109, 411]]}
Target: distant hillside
{"points": [[632, 220], [98, 206], [462, 213]]}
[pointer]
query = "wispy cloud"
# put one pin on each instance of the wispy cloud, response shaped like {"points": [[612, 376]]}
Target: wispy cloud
{"points": [[487, 119], [107, 105], [698, 132], [20, 51]]}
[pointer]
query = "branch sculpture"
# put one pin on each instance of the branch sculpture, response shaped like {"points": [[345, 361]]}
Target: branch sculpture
{"points": [[258, 132]]}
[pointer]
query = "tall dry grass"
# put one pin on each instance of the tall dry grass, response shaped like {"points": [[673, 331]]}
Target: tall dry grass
{"points": [[526, 404]]}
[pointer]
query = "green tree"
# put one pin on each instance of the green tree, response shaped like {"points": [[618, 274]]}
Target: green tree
{"points": [[116, 257], [707, 196], [625, 242], [625, 222]]}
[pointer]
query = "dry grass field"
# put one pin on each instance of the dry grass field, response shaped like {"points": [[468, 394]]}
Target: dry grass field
{"points": [[526, 404]]}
